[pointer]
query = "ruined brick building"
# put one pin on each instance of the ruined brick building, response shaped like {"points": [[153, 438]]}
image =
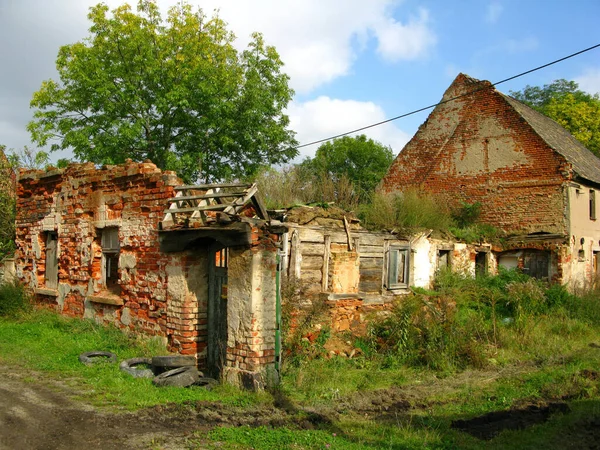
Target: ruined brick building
{"points": [[97, 243], [534, 180], [202, 266]]}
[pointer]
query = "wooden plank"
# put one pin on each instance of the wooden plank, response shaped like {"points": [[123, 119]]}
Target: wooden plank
{"points": [[234, 207], [205, 196], [371, 248], [348, 234], [312, 262], [326, 254], [313, 249], [209, 186], [196, 209], [258, 206], [294, 272], [365, 255]]}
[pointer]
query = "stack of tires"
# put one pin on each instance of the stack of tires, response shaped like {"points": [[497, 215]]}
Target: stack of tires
{"points": [[171, 370]]}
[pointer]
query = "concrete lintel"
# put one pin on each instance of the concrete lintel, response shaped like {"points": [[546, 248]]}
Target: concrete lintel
{"points": [[229, 236], [106, 299]]}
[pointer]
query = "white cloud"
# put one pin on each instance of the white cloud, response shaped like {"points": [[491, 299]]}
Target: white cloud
{"points": [[319, 40], [590, 80], [325, 116], [398, 41], [494, 11]]}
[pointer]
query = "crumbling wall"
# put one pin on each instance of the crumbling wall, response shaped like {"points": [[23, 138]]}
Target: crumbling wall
{"points": [[251, 312], [477, 148], [77, 204]]}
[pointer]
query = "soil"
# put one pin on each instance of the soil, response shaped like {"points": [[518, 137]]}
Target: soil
{"points": [[489, 425], [39, 412]]}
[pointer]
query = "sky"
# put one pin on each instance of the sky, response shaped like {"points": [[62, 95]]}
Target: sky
{"points": [[351, 62]]}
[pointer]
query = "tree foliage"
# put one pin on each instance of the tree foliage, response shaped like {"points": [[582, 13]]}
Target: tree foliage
{"points": [[176, 92], [363, 161], [574, 109], [7, 206]]}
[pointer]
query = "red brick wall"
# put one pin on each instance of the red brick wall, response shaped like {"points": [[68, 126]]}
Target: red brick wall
{"points": [[478, 148], [77, 203]]}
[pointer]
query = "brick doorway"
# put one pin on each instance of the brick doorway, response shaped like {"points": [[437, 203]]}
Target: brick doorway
{"points": [[217, 310]]}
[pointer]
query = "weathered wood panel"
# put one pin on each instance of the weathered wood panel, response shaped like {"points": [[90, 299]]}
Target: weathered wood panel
{"points": [[312, 262], [312, 249]]}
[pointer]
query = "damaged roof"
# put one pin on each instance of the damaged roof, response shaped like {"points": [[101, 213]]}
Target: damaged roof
{"points": [[584, 162]]}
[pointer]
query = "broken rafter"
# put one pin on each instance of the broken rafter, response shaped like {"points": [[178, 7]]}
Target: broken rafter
{"points": [[212, 186]]}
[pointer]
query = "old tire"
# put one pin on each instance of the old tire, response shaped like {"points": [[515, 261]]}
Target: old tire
{"points": [[89, 358], [206, 382], [173, 361], [180, 377], [130, 366]]}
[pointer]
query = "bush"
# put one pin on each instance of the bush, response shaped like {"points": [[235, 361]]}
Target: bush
{"points": [[14, 298], [410, 209]]}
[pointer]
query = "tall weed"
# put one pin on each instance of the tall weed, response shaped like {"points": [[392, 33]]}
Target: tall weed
{"points": [[14, 298]]}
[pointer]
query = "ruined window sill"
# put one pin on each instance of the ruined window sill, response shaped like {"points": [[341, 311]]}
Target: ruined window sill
{"points": [[46, 291], [106, 298]]}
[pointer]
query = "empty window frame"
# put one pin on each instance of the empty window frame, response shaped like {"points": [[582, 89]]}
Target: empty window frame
{"points": [[398, 262], [443, 259], [51, 274], [110, 258], [592, 204]]}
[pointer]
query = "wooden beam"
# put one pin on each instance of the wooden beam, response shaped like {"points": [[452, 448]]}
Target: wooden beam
{"points": [[348, 235], [326, 254], [197, 209], [232, 208], [212, 186], [207, 196]]}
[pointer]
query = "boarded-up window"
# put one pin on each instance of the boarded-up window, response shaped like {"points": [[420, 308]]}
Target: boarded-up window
{"points": [[592, 204], [110, 258], [51, 275], [398, 267]]}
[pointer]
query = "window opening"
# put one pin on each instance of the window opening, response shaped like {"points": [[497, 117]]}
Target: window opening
{"points": [[480, 264], [110, 258], [397, 267], [592, 204], [443, 259], [221, 258], [51, 274]]}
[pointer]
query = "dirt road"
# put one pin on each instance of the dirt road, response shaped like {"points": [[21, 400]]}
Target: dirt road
{"points": [[40, 415]]}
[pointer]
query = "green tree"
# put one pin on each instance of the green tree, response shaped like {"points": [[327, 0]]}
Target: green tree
{"points": [[175, 91], [574, 109], [364, 161], [7, 206]]}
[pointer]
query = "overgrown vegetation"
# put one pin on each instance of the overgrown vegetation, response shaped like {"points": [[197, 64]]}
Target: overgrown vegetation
{"points": [[417, 210], [14, 299], [467, 347]]}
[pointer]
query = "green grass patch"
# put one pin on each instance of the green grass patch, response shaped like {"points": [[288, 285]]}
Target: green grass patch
{"points": [[44, 341]]}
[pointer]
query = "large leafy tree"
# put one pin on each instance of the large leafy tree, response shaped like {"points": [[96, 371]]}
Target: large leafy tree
{"points": [[363, 161], [175, 91], [7, 205], [574, 109]]}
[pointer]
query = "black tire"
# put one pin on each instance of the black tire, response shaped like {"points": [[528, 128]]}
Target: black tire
{"points": [[180, 377], [173, 361], [89, 358], [130, 366], [206, 382]]}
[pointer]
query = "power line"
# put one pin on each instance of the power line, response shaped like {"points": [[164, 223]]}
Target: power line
{"points": [[450, 99]]}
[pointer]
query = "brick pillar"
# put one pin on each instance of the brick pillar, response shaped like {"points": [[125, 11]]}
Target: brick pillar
{"points": [[251, 301]]}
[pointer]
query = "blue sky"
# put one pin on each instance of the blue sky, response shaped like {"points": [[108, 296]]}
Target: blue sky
{"points": [[351, 62]]}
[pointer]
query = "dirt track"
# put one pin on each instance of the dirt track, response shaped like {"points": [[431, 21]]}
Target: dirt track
{"points": [[35, 416]]}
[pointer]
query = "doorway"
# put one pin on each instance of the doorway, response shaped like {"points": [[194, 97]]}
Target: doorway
{"points": [[217, 310]]}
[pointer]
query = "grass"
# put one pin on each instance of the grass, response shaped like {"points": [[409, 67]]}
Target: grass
{"points": [[444, 354], [43, 341]]}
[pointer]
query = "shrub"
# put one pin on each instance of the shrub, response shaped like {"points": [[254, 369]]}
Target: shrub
{"points": [[410, 209], [14, 298]]}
